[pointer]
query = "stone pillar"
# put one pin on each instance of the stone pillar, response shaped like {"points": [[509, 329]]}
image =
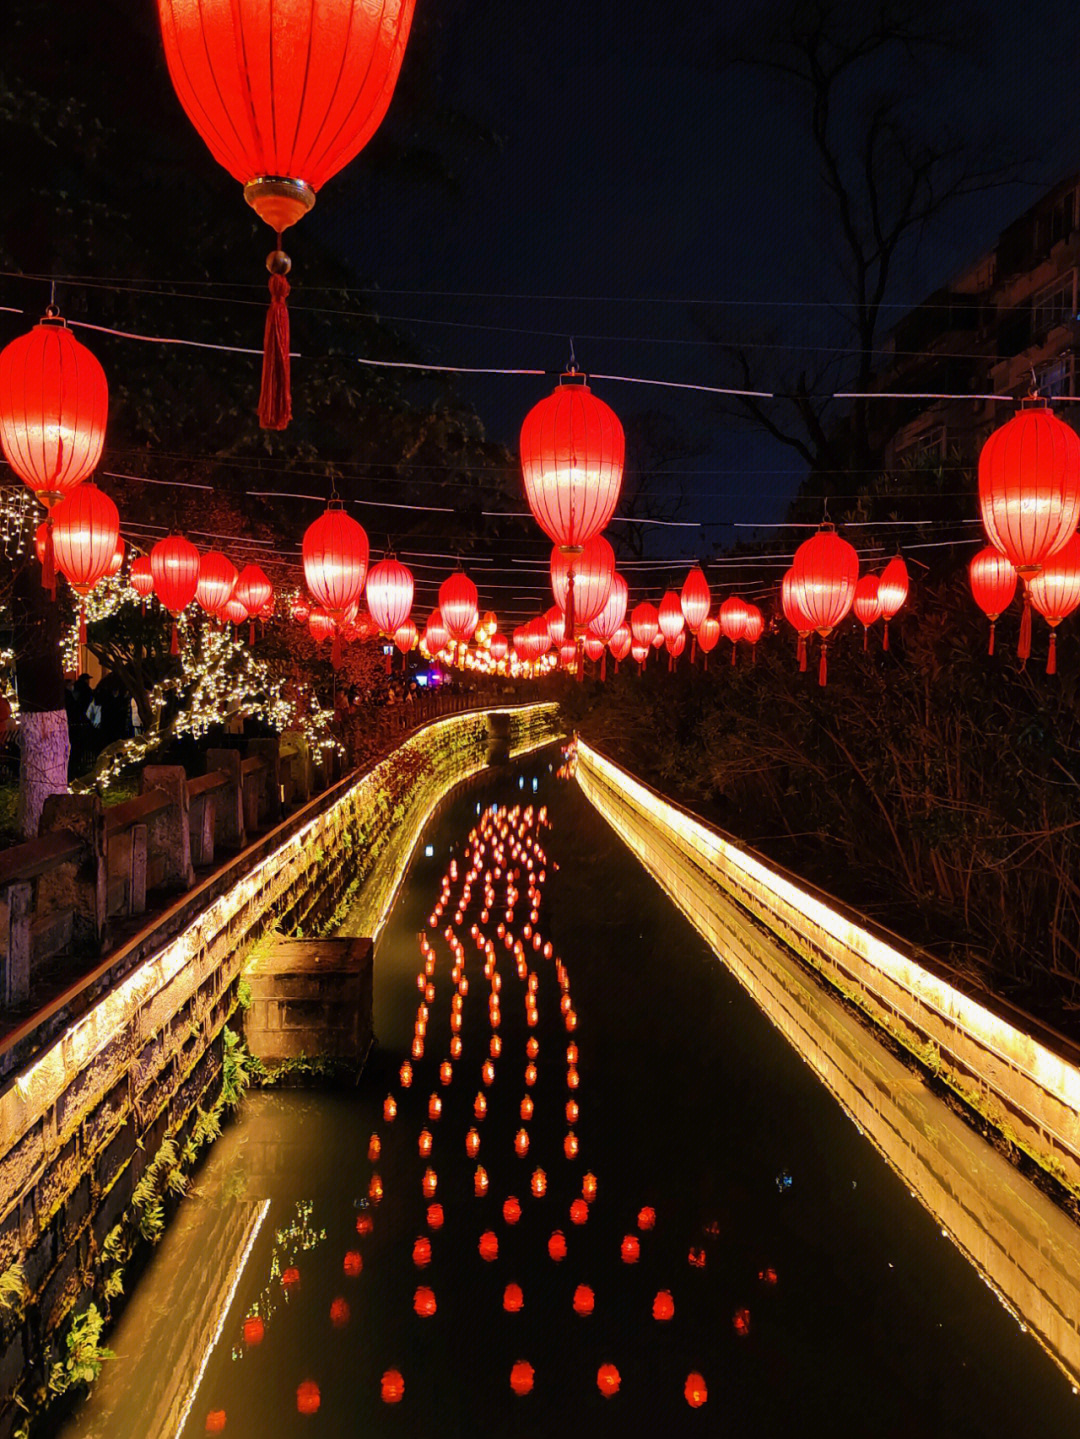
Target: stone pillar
{"points": [[229, 800], [82, 887], [168, 838], [15, 908], [295, 746], [270, 751], [201, 824]]}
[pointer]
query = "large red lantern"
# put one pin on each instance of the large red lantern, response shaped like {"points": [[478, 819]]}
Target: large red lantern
{"points": [[335, 552], [993, 585], [572, 453], [436, 635], [867, 604], [217, 581], [1055, 592], [670, 616], [459, 604], [116, 564], [54, 401], [390, 594], [824, 575], [86, 528], [892, 592], [284, 95], [591, 572], [174, 564], [1029, 493]]}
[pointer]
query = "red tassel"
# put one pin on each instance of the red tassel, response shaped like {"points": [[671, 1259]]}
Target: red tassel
{"points": [[389, 662], [753, 654], [335, 650], [48, 567], [801, 651], [82, 625], [1023, 649], [275, 398], [1051, 659], [990, 651], [251, 633], [603, 666], [693, 647], [885, 641], [823, 668], [174, 647], [404, 662], [670, 662], [705, 667], [865, 633], [734, 650]]}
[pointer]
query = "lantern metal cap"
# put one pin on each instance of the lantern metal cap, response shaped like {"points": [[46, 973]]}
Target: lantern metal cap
{"points": [[278, 200], [52, 316], [574, 377]]}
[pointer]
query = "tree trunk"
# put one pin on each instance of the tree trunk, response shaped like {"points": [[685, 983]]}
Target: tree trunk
{"points": [[44, 745]]}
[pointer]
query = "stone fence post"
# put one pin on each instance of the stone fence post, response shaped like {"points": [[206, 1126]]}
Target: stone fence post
{"points": [[168, 837], [81, 887], [229, 800]]}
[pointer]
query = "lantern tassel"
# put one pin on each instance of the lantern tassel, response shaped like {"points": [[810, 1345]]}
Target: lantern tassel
{"points": [[670, 662], [1023, 649], [693, 647], [82, 625], [48, 566], [734, 651], [1051, 659], [753, 654], [251, 633], [603, 666], [990, 649], [174, 647], [335, 649], [885, 641], [823, 668], [865, 634], [389, 662], [275, 398], [801, 651]]}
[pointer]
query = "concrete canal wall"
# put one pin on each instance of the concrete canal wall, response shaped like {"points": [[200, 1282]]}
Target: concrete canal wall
{"points": [[1023, 1080], [102, 1107]]}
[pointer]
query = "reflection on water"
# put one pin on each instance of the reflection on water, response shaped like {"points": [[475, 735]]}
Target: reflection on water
{"points": [[583, 1188]]}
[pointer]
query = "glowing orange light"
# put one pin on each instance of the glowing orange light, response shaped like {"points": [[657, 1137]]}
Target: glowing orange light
{"points": [[430, 1183], [455, 1046], [446, 1072], [697, 1258], [405, 1075], [495, 1047], [646, 1218], [588, 1187], [767, 1276], [393, 1387], [572, 1111], [488, 1246], [557, 1246], [571, 1054], [290, 1277], [434, 1219], [389, 1109], [573, 1079], [421, 1252], [511, 1210], [480, 1106], [521, 1377], [570, 1145], [424, 1302], [513, 1298], [487, 1073], [571, 1020], [424, 1143], [608, 1380], [663, 1306], [741, 1322], [695, 1391], [584, 1300], [480, 1181], [434, 1107], [472, 1143], [352, 1265], [538, 1183], [308, 1398], [521, 1143], [429, 994], [630, 1250], [339, 1313], [417, 1053], [364, 1224], [532, 1049], [215, 1421]]}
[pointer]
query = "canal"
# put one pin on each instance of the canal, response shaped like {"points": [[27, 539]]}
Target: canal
{"points": [[805, 1286]]}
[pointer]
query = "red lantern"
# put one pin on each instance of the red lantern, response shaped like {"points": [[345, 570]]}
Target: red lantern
{"points": [[663, 1307], [555, 625], [993, 585], [644, 623], [867, 604], [390, 594], [174, 564], [283, 95], [567, 654], [458, 602], [424, 1302], [670, 616], [695, 599], [572, 453], [753, 629], [117, 561], [584, 1300], [708, 636], [608, 1380], [236, 613], [86, 527], [824, 575], [140, 577], [594, 646], [521, 1377], [405, 636], [1029, 493], [498, 647], [608, 621], [320, 625], [393, 1387], [639, 653], [436, 635], [620, 642], [793, 613], [733, 614], [217, 581], [254, 1330], [253, 589], [335, 552], [1055, 592], [592, 570], [892, 592], [513, 1299], [695, 1390], [54, 400]]}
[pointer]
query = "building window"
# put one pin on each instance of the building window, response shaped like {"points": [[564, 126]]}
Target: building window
{"points": [[1054, 304], [1059, 378], [1063, 217], [925, 448]]}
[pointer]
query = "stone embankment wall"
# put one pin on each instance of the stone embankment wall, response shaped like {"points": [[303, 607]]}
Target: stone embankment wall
{"points": [[1021, 1078], [97, 1100]]}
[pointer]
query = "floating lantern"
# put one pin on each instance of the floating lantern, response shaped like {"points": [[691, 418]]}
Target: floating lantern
{"points": [[557, 1246], [646, 1218], [487, 1072], [572, 454], [570, 1145], [767, 1276], [630, 1250], [424, 1143], [530, 1074], [434, 1219], [375, 1189], [532, 1049], [215, 1421], [521, 1143], [697, 1258], [572, 1111], [513, 1299], [538, 1184], [480, 1181], [434, 1107], [663, 1306], [867, 604], [393, 1387], [446, 1072], [472, 1143], [741, 1322], [424, 1302], [584, 1300], [405, 1075], [527, 1108], [608, 1380], [573, 1079], [521, 1377], [695, 1390], [364, 1224], [374, 1148], [290, 1277], [892, 592], [824, 575], [588, 1187], [579, 1212], [308, 1398], [488, 1247], [254, 1330], [421, 1252], [430, 1183], [353, 1264], [495, 1046], [511, 1210], [339, 1313]]}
